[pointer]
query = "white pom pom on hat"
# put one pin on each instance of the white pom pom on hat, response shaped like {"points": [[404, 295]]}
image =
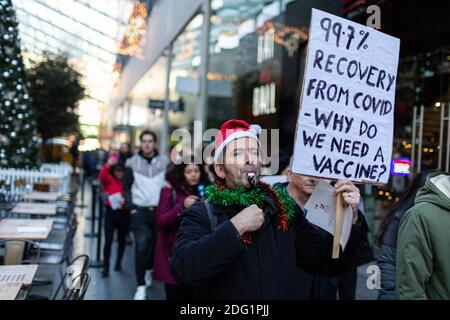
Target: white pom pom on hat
{"points": [[255, 128]]}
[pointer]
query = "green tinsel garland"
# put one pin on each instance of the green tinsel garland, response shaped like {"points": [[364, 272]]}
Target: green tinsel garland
{"points": [[245, 198], [288, 202]]}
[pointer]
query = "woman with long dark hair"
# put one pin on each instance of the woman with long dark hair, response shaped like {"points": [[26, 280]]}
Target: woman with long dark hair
{"points": [[387, 239], [186, 183]]}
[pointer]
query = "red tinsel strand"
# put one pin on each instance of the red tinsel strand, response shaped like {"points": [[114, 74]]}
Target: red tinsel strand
{"points": [[283, 222], [247, 238], [220, 184]]}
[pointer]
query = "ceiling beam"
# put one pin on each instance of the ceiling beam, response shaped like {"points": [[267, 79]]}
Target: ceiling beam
{"points": [[28, 26], [87, 5], [54, 50], [73, 19], [67, 32]]}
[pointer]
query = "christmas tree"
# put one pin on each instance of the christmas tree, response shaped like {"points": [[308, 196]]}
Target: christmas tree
{"points": [[17, 127]]}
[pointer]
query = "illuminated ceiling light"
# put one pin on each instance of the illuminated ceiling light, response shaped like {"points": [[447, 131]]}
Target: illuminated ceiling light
{"points": [[216, 4], [196, 61], [228, 41], [437, 104], [196, 22]]}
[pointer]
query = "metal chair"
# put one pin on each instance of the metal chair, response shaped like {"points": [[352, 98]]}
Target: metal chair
{"points": [[78, 266], [62, 290], [80, 285]]}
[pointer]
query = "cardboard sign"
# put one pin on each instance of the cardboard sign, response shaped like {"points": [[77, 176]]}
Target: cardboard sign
{"points": [[345, 123]]}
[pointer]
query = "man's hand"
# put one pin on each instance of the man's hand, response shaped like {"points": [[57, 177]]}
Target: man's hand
{"points": [[249, 219], [350, 195]]}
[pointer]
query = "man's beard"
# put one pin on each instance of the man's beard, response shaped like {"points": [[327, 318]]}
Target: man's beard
{"points": [[251, 173]]}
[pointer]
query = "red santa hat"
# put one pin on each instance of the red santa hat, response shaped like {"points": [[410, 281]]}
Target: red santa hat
{"points": [[234, 129]]}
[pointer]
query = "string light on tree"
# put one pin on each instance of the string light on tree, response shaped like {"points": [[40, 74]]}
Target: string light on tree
{"points": [[17, 132]]}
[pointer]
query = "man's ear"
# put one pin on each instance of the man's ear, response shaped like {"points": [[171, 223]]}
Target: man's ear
{"points": [[289, 175], [220, 170]]}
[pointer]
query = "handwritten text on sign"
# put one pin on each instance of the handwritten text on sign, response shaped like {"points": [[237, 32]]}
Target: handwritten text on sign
{"points": [[345, 123]]}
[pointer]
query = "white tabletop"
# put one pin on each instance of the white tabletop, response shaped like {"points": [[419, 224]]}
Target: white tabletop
{"points": [[35, 229]]}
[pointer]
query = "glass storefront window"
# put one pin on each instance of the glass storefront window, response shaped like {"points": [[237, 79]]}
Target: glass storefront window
{"points": [[143, 108], [257, 52], [184, 81]]}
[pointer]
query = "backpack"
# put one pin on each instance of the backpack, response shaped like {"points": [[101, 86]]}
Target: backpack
{"points": [[212, 218]]}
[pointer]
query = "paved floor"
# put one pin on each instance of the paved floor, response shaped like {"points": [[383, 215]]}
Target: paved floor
{"points": [[119, 285], [122, 285]]}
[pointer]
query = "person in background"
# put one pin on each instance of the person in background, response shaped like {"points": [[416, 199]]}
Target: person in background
{"points": [[124, 153], [423, 255], [427, 165], [142, 183], [74, 151], [185, 186], [101, 156], [387, 238], [322, 278], [116, 217]]}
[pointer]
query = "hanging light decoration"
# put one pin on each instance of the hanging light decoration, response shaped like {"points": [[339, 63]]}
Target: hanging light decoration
{"points": [[134, 33], [287, 36]]}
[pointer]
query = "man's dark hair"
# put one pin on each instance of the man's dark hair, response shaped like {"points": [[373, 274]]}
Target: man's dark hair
{"points": [[147, 132]]}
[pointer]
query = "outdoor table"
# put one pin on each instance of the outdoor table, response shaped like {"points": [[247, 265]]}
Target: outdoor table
{"points": [[9, 290], [34, 208], [23, 273], [42, 196], [14, 229]]}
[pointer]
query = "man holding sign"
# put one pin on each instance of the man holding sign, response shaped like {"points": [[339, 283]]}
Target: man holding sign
{"points": [[239, 244]]}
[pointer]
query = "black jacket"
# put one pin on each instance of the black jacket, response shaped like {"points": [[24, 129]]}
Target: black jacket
{"points": [[388, 253], [317, 271], [225, 268], [314, 247]]}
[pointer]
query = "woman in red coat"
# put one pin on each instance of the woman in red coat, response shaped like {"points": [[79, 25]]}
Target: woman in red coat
{"points": [[185, 186], [116, 216]]}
